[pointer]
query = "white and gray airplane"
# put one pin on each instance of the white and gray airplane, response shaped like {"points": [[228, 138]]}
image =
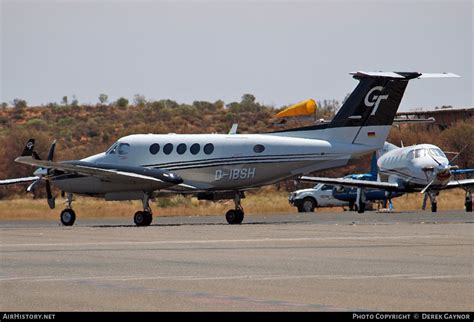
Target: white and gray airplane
{"points": [[223, 166], [419, 168]]}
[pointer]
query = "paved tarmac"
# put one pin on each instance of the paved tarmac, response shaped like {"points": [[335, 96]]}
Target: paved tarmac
{"points": [[344, 261]]}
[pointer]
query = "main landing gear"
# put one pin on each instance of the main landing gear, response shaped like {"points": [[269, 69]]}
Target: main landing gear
{"points": [[361, 200], [145, 217], [235, 216], [68, 216]]}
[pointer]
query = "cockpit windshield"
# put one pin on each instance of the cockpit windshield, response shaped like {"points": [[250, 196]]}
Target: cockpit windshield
{"points": [[118, 148], [437, 153], [112, 149]]}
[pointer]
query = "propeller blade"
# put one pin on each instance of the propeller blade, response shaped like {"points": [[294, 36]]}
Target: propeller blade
{"points": [[32, 186], [51, 200], [426, 188], [459, 153], [51, 151]]}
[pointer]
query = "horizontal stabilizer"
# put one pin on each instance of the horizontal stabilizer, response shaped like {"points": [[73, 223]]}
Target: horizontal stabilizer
{"points": [[402, 75]]}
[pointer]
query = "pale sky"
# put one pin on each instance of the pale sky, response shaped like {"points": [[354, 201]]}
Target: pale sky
{"points": [[280, 51]]}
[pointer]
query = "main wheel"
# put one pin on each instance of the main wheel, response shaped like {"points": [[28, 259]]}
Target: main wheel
{"points": [[142, 218], [307, 205], [234, 217], [468, 205], [361, 208], [434, 207], [68, 217]]}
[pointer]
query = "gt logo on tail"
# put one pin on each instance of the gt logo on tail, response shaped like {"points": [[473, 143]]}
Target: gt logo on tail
{"points": [[376, 99]]}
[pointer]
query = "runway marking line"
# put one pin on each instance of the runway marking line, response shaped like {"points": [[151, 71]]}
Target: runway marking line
{"points": [[221, 241], [219, 278]]}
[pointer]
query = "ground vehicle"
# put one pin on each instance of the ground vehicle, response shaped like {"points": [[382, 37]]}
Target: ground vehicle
{"points": [[306, 200]]}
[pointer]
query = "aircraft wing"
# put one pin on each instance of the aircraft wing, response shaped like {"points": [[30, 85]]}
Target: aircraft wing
{"points": [[352, 183], [124, 174], [462, 171], [465, 183], [18, 180]]}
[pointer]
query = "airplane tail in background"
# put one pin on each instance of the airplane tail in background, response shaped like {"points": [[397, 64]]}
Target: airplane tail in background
{"points": [[371, 107], [367, 115]]}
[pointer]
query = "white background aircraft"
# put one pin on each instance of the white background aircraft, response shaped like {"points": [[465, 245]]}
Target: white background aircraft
{"points": [[419, 168], [217, 166]]}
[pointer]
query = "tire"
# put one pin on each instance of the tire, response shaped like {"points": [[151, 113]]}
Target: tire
{"points": [[307, 205], [142, 218], [361, 209], [468, 205], [67, 217], [234, 217], [148, 217], [434, 207], [351, 206]]}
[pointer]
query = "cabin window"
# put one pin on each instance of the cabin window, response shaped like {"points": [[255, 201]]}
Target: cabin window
{"points": [[420, 153], [209, 148], [195, 148], [327, 187], [123, 148], [258, 148], [181, 148], [168, 148], [154, 148], [410, 155]]}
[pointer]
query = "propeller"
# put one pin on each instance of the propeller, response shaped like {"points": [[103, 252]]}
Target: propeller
{"points": [[43, 174], [439, 172], [458, 154]]}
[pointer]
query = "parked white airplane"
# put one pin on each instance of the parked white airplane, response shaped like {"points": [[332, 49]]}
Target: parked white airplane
{"points": [[419, 168], [217, 166]]}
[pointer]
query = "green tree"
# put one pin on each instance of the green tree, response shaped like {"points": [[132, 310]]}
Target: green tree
{"points": [[122, 102], [248, 99], [103, 98], [19, 103]]}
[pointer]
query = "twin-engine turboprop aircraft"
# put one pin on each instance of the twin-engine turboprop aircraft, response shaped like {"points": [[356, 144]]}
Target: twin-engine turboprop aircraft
{"points": [[419, 168], [218, 166]]}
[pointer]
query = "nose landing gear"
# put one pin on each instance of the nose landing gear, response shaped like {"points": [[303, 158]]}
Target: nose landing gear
{"points": [[468, 201], [68, 216]]}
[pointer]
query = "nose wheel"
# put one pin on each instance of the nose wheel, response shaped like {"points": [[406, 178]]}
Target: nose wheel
{"points": [[434, 203], [68, 216], [468, 201]]}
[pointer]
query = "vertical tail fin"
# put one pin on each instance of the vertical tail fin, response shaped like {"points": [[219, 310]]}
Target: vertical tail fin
{"points": [[374, 101], [367, 115], [371, 108]]}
